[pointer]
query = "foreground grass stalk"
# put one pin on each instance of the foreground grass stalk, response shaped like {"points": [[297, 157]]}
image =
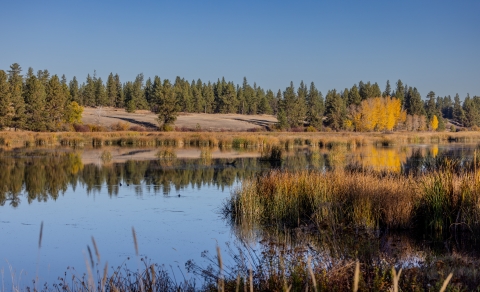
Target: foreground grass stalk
{"points": [[356, 277]]}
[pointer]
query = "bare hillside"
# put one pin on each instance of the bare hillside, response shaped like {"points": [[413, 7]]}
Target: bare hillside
{"points": [[210, 122]]}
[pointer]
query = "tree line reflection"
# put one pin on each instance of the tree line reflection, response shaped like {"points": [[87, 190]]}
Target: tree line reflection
{"points": [[42, 175]]}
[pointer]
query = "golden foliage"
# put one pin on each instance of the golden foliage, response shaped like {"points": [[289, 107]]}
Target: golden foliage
{"points": [[377, 114], [73, 114], [434, 123]]}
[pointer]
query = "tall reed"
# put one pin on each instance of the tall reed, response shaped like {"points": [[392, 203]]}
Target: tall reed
{"points": [[438, 201]]}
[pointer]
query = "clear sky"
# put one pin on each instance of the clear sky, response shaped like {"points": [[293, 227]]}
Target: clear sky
{"points": [[432, 45]]}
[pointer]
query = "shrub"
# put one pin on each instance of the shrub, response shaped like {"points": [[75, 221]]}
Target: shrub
{"points": [[297, 129], [137, 128], [167, 128], [81, 128], [96, 128], [120, 126]]}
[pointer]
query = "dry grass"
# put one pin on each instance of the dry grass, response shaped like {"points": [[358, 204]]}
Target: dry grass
{"points": [[226, 139], [280, 268], [437, 201]]}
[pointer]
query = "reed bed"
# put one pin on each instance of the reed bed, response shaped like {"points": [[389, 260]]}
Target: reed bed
{"points": [[228, 139], [438, 201]]}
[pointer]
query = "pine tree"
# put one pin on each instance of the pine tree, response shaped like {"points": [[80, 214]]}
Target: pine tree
{"points": [[264, 105], [167, 106], [35, 101], [183, 94], [345, 94], [6, 111], [335, 110], [120, 98], [112, 90], [414, 103], [354, 96], [138, 94], [197, 98], [100, 93], [148, 91], [241, 101], [249, 95], [229, 98], [43, 76], [88, 92], [445, 107], [130, 105], [66, 89], [55, 104], [400, 93], [187, 93], [301, 103], [376, 91], [388, 90], [458, 114], [16, 98], [290, 106], [282, 119], [365, 90], [155, 94], [315, 107], [74, 90], [225, 97], [272, 101], [209, 97], [431, 106], [472, 114]]}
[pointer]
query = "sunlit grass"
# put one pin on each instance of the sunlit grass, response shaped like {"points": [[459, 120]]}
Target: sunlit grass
{"points": [[437, 201], [227, 140]]}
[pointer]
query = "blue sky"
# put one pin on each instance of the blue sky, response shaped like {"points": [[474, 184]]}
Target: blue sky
{"points": [[432, 45]]}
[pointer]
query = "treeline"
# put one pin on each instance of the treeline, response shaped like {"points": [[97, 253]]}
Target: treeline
{"points": [[36, 102], [47, 103]]}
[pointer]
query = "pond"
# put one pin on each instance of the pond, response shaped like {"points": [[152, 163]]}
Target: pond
{"points": [[171, 198]]}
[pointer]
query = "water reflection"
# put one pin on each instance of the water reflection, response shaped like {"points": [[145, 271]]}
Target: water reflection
{"points": [[43, 175]]}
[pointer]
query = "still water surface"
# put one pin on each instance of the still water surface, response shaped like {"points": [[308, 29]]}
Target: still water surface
{"points": [[174, 204]]}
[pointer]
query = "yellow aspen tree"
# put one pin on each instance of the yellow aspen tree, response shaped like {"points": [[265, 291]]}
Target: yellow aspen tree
{"points": [[380, 113], [434, 123], [377, 114], [368, 120]]}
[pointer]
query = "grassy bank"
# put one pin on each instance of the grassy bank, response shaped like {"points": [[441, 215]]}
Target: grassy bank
{"points": [[227, 139], [436, 201]]}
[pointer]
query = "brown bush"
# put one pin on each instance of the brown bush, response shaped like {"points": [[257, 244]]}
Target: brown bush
{"points": [[81, 128]]}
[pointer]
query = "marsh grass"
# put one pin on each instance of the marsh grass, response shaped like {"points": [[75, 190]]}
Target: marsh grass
{"points": [[438, 201], [227, 140], [273, 266]]}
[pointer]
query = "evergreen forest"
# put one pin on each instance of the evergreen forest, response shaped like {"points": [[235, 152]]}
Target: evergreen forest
{"points": [[44, 102]]}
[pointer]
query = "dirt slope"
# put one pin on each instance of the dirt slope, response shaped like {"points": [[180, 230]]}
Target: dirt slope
{"points": [[211, 122]]}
